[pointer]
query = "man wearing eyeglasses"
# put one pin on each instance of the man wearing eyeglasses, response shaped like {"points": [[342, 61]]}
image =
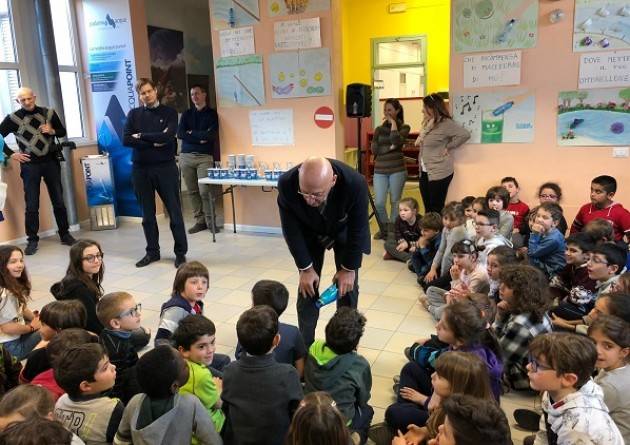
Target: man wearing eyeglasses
{"points": [[35, 128], [323, 205]]}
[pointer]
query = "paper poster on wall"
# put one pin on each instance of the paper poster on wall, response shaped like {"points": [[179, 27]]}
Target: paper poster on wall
{"points": [[491, 25], [168, 69], [594, 117], [601, 25], [237, 41], [240, 81], [297, 34], [291, 7], [491, 70], [271, 127], [494, 118], [604, 70], [234, 13], [300, 73]]}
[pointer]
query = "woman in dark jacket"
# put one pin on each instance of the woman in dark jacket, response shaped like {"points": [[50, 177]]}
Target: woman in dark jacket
{"points": [[83, 282]]}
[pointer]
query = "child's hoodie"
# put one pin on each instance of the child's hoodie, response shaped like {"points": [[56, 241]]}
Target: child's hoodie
{"points": [[580, 418]]}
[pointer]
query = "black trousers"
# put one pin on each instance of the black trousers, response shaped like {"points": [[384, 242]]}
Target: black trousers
{"points": [[434, 192], [163, 179], [32, 173], [308, 313]]}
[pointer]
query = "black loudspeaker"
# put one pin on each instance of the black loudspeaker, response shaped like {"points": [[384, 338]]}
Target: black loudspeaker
{"points": [[358, 100]]}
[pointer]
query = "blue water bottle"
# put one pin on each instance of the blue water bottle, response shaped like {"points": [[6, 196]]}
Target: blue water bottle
{"points": [[327, 297]]}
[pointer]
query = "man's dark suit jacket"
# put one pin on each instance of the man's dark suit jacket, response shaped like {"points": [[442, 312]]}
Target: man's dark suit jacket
{"points": [[345, 217]]}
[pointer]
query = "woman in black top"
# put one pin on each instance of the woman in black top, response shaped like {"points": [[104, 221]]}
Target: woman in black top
{"points": [[83, 282]]}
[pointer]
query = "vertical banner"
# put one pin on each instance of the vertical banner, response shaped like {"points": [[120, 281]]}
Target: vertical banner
{"points": [[112, 69]]}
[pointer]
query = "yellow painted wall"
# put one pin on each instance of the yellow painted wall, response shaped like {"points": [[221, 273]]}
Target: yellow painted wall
{"points": [[364, 20]]}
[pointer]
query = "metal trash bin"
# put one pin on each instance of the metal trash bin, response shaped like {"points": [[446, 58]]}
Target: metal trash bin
{"points": [[99, 191]]}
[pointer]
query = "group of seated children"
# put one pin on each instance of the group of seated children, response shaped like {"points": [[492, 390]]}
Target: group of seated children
{"points": [[499, 279]]}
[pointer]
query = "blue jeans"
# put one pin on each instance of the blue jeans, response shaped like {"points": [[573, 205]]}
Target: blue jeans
{"points": [[23, 345], [392, 184]]}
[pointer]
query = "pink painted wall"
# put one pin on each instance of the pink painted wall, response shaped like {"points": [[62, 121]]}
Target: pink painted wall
{"points": [[254, 207], [548, 68]]}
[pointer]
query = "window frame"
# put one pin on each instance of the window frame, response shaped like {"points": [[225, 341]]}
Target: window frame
{"points": [[375, 65], [28, 75], [77, 69]]}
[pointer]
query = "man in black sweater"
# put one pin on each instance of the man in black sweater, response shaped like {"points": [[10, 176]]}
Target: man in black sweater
{"points": [[150, 131], [198, 130], [35, 129]]}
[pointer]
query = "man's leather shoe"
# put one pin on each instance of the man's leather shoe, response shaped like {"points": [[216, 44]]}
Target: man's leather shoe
{"points": [[147, 259], [67, 239], [179, 260], [31, 248], [199, 227]]}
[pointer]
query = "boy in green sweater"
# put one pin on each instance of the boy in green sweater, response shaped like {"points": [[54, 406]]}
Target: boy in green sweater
{"points": [[195, 340], [335, 367]]}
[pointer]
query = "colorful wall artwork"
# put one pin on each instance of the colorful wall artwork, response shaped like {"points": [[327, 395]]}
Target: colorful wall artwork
{"points": [[594, 117], [494, 118], [601, 25], [492, 25], [303, 73]]}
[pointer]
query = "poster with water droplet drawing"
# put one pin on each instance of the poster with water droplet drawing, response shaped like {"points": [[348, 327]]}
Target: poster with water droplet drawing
{"points": [[600, 25], [492, 25], [234, 13], [303, 73], [594, 117]]}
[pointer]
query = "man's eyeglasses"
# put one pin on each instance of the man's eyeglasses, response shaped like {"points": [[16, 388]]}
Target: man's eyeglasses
{"points": [[318, 195], [543, 196], [475, 223], [596, 260], [536, 365], [93, 258], [134, 311]]}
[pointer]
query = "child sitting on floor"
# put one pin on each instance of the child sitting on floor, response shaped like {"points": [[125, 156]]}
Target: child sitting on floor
{"points": [[161, 414], [407, 231]]}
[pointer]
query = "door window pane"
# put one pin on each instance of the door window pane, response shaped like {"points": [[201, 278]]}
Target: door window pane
{"points": [[7, 48], [406, 51], [71, 104], [62, 26]]}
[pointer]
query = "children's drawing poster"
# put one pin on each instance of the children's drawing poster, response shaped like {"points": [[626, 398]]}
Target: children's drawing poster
{"points": [[492, 25], [292, 7], [594, 117], [234, 13], [303, 73], [240, 81], [494, 118], [601, 25]]}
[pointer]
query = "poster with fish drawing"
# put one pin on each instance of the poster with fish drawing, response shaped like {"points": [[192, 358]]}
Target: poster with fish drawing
{"points": [[601, 25], [493, 25], [234, 13], [303, 73], [292, 7], [494, 118], [594, 117], [240, 81]]}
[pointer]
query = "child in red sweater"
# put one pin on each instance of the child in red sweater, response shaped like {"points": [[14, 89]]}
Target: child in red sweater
{"points": [[517, 208], [603, 189]]}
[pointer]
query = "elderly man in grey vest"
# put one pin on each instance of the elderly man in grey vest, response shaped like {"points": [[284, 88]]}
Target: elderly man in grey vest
{"points": [[35, 128]]}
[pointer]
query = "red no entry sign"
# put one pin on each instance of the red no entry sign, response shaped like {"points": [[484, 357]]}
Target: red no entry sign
{"points": [[324, 117]]}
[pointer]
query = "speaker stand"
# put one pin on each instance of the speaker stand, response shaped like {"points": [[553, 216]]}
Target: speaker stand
{"points": [[381, 226]]}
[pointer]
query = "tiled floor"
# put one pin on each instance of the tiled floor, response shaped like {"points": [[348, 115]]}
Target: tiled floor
{"points": [[236, 261]]}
